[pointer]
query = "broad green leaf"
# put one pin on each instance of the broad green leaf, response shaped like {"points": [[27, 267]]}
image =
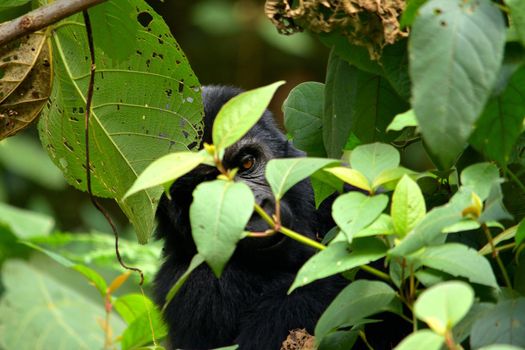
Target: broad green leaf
{"points": [[144, 107], [403, 120], [423, 339], [507, 234], [283, 174], [462, 330], [504, 324], [452, 82], [360, 299], [410, 12], [428, 231], [339, 258], [303, 114], [373, 159], [351, 177], [239, 114], [479, 178], [55, 313], [24, 223], [391, 175], [354, 211], [408, 206], [218, 215], [444, 305], [324, 185], [165, 170], [196, 261], [92, 276], [381, 226], [459, 260], [337, 117], [231, 347], [109, 20], [342, 340], [517, 12], [500, 125], [357, 103], [143, 319]]}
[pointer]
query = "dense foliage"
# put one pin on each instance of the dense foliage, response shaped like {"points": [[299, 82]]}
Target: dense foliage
{"points": [[426, 122]]}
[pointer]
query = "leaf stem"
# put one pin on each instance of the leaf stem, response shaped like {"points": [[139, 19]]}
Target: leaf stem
{"points": [[376, 272], [495, 255]]}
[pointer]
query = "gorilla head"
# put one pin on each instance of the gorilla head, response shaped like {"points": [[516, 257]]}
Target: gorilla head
{"points": [[248, 305]]}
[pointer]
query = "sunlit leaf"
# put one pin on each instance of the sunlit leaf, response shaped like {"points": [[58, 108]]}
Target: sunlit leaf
{"points": [[408, 206]]}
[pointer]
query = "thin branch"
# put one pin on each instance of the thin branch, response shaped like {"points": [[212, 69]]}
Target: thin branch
{"points": [[495, 255], [89, 99], [42, 17]]}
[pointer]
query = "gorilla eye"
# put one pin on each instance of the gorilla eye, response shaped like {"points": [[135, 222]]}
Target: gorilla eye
{"points": [[247, 162]]}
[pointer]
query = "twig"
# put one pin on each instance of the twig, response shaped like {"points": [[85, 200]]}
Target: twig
{"points": [[495, 255], [89, 99], [42, 17]]}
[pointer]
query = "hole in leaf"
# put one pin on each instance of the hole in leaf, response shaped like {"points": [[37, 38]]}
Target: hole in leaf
{"points": [[144, 19]]}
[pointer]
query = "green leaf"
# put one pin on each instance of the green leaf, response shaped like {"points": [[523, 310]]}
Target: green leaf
{"points": [[479, 178], [459, 260], [410, 13], [517, 12], [408, 206], [196, 261], [24, 223], [57, 311], [337, 117], [144, 107], [444, 305], [429, 230], [303, 114], [143, 319], [494, 209], [218, 215], [520, 233], [391, 175], [342, 340], [403, 120], [12, 3], [338, 258], [500, 347], [165, 170], [504, 324], [324, 185], [109, 20], [360, 299], [381, 226], [452, 82], [423, 339], [92, 276], [283, 174], [373, 159], [500, 125], [351, 177], [239, 114], [354, 211]]}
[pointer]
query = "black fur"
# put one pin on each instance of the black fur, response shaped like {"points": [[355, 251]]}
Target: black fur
{"points": [[248, 305]]}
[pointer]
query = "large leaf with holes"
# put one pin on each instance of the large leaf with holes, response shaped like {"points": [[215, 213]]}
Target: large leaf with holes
{"points": [[453, 80], [144, 106], [59, 311]]}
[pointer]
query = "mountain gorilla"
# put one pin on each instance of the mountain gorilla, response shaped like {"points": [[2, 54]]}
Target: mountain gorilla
{"points": [[248, 305]]}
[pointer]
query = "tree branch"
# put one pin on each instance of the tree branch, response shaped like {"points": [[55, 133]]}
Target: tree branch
{"points": [[42, 17]]}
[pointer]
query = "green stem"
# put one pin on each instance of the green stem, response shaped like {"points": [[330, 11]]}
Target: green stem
{"points": [[300, 238], [496, 256], [264, 215], [375, 272], [515, 179]]}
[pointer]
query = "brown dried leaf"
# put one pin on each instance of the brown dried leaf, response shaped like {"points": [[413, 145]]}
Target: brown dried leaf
{"points": [[23, 104], [299, 339], [369, 23]]}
